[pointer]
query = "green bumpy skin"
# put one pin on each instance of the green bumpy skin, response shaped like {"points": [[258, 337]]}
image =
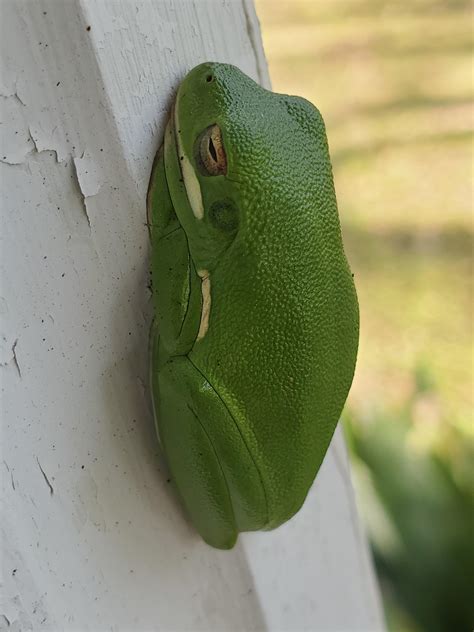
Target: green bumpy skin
{"points": [[254, 342]]}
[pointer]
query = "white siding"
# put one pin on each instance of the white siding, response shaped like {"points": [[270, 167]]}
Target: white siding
{"points": [[93, 536]]}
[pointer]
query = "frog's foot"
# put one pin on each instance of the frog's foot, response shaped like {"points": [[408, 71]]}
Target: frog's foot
{"points": [[211, 465]]}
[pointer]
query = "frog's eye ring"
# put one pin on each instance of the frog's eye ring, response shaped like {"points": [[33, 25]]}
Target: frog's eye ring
{"points": [[212, 157]]}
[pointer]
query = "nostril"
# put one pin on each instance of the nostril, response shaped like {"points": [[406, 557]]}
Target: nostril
{"points": [[209, 78]]}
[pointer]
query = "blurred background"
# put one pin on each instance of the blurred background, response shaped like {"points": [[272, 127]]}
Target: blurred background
{"points": [[394, 82]]}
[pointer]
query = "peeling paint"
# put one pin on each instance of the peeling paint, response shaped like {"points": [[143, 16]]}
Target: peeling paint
{"points": [[18, 141], [32, 138], [49, 139], [15, 140], [9, 358], [42, 145], [82, 196], [87, 175]]}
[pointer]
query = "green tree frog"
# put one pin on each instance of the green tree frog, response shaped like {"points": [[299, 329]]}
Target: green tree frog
{"points": [[254, 341]]}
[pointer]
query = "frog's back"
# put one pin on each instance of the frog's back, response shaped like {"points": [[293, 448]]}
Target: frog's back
{"points": [[283, 301]]}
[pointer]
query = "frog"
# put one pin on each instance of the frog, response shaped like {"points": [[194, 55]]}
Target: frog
{"points": [[256, 321]]}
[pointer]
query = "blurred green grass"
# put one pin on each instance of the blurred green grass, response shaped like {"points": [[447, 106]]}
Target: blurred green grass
{"points": [[394, 83]]}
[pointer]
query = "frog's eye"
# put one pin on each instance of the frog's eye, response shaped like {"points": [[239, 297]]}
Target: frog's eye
{"points": [[211, 152]]}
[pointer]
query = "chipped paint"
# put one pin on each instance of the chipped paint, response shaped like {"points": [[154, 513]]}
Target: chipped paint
{"points": [[81, 194], [88, 175], [15, 138], [9, 355]]}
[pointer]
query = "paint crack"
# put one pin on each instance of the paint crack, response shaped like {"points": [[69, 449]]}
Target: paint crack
{"points": [[51, 490], [15, 359]]}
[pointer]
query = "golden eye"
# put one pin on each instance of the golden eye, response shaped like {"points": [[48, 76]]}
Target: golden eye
{"points": [[211, 152]]}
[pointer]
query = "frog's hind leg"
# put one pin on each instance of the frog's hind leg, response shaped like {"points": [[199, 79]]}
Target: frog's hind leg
{"points": [[214, 469], [192, 459]]}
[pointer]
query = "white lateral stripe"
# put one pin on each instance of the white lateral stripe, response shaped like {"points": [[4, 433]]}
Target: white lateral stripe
{"points": [[191, 183], [206, 303]]}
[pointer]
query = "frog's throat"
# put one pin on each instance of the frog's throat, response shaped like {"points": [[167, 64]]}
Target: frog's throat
{"points": [[190, 180]]}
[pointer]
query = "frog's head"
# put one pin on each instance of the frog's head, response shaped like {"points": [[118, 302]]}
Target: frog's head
{"points": [[236, 158]]}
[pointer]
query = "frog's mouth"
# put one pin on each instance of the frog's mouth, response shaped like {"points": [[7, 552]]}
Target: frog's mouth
{"points": [[190, 180], [179, 163]]}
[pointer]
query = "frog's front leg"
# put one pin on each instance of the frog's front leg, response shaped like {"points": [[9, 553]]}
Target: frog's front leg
{"points": [[175, 283], [211, 465]]}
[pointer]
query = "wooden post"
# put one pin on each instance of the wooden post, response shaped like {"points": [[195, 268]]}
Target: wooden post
{"points": [[93, 536]]}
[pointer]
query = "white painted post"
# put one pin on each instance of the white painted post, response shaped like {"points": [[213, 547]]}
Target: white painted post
{"points": [[93, 537]]}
